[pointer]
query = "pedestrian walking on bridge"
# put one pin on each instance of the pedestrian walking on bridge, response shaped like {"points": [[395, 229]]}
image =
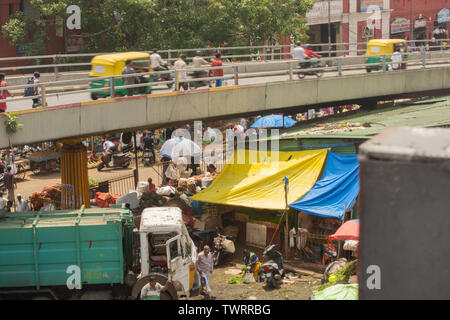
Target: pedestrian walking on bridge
{"points": [[217, 62], [3, 92]]}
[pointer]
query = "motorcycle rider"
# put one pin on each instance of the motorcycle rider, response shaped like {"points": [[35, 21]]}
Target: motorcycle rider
{"points": [[158, 64], [198, 62], [149, 144], [110, 148], [310, 53], [251, 259], [298, 53]]}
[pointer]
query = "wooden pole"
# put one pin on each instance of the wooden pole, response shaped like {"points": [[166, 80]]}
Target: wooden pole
{"points": [[286, 227], [136, 158]]}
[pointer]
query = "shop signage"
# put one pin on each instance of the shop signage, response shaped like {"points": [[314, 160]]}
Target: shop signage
{"points": [[399, 25], [420, 23], [320, 9], [28, 48], [443, 16], [73, 43], [370, 5]]}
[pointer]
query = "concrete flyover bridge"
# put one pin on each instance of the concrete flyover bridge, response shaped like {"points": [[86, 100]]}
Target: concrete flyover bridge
{"points": [[83, 119]]}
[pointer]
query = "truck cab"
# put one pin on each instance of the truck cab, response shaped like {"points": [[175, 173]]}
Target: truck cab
{"points": [[167, 252]]}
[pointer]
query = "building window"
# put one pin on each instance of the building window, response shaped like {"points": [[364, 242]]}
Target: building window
{"points": [[11, 8], [21, 5]]}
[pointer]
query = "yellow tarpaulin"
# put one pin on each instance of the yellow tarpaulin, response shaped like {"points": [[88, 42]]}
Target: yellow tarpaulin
{"points": [[260, 185]]}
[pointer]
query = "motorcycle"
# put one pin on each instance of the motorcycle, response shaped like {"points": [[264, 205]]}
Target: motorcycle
{"points": [[164, 76], [310, 65], [119, 160], [223, 247], [148, 157], [273, 268], [200, 83]]}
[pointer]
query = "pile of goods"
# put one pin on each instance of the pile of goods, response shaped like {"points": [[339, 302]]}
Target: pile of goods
{"points": [[49, 195]]}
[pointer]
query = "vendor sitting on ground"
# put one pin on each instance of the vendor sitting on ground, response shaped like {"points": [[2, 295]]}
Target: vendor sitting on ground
{"points": [[151, 185], [212, 170], [250, 259]]}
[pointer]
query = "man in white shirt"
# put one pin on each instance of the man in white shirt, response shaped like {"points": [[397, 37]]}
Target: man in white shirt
{"points": [[22, 205], [157, 63], [205, 266], [298, 53], [152, 290], [180, 64]]}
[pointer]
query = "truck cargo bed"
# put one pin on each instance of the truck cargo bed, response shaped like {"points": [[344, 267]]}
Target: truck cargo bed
{"points": [[37, 249]]}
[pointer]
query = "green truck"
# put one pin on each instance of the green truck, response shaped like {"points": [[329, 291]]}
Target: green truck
{"points": [[95, 254]]}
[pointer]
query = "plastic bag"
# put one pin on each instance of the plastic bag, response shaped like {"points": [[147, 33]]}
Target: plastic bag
{"points": [[172, 172], [248, 278]]}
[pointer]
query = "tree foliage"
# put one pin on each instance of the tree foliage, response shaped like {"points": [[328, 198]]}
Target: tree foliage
{"points": [[118, 25]]}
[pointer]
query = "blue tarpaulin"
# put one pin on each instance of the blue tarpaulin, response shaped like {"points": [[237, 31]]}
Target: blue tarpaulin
{"points": [[273, 121], [336, 192]]}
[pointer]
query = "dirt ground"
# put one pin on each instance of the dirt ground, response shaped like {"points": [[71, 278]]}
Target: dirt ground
{"points": [[297, 288], [35, 183]]}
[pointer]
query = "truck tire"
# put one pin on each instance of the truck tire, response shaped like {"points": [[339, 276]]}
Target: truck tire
{"points": [[170, 294]]}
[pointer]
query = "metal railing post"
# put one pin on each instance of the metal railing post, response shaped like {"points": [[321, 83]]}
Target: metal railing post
{"points": [[112, 87], [169, 55], [339, 66], [384, 62], [43, 97], [291, 70], [236, 75], [264, 54], [424, 59], [55, 61], [177, 81]]}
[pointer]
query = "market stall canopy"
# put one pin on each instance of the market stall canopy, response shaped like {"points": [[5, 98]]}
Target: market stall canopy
{"points": [[180, 147], [348, 231], [273, 121], [336, 191], [260, 184]]}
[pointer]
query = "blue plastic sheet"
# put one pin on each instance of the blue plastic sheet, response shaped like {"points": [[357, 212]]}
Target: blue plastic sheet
{"points": [[273, 121], [336, 192]]}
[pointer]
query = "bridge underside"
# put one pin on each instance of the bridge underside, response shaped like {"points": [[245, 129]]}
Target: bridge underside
{"points": [[160, 110]]}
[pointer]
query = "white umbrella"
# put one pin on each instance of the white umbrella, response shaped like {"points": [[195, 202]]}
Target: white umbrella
{"points": [[180, 147]]}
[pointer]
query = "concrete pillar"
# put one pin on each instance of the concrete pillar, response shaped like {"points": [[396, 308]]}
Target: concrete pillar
{"points": [[74, 172]]}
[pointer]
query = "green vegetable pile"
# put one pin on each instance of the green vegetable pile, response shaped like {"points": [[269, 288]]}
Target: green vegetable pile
{"points": [[343, 275], [236, 279]]}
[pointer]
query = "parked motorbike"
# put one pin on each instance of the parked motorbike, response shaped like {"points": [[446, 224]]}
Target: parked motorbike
{"points": [[164, 77], [223, 248], [310, 65], [119, 160], [273, 268], [148, 157]]}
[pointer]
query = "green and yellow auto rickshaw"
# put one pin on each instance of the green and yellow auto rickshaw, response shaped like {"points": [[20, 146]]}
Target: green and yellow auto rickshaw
{"points": [[107, 65], [377, 47]]}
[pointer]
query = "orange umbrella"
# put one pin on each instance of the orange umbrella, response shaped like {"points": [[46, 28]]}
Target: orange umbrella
{"points": [[348, 231]]}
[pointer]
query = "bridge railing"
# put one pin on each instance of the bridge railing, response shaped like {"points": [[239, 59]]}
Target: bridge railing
{"points": [[250, 53], [287, 67]]}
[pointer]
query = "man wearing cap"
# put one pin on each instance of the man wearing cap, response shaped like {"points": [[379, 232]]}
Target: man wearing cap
{"points": [[22, 205], [205, 266], [152, 290]]}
